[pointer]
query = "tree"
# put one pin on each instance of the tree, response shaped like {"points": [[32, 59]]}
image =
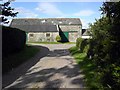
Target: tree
{"points": [[6, 11], [105, 44]]}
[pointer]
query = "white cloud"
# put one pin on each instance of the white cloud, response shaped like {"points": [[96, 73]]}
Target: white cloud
{"points": [[61, 0], [49, 9], [26, 13], [85, 13], [84, 23]]}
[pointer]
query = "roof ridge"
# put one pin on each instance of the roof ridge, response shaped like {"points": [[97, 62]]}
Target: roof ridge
{"points": [[60, 21]]}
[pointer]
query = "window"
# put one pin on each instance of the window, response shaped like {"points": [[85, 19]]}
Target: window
{"points": [[31, 35], [47, 34], [48, 39]]}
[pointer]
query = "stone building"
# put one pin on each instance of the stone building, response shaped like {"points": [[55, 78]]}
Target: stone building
{"points": [[46, 29]]}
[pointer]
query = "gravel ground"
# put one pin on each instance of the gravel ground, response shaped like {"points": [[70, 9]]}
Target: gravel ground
{"points": [[52, 67]]}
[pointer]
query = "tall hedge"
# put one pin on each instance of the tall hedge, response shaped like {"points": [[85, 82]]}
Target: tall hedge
{"points": [[82, 44], [104, 51], [78, 42], [13, 40]]}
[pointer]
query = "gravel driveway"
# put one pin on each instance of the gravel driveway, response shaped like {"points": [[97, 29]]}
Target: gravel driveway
{"points": [[52, 67]]}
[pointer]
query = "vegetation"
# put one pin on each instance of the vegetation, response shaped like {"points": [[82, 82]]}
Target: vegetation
{"points": [[6, 11], [101, 60], [105, 45], [82, 44], [78, 42], [58, 38], [91, 78], [16, 59], [13, 40]]}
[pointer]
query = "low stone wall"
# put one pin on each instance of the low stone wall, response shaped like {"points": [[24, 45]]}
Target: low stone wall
{"points": [[73, 36], [42, 37]]}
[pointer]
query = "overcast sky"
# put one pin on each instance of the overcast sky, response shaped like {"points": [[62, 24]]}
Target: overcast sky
{"points": [[86, 11]]}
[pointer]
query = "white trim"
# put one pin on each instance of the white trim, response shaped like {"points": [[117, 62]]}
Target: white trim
{"points": [[86, 37]]}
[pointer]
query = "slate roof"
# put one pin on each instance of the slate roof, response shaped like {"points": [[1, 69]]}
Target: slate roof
{"points": [[46, 21], [36, 28], [42, 25]]}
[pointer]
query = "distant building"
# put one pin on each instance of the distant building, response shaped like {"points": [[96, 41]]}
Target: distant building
{"points": [[85, 33], [46, 29]]}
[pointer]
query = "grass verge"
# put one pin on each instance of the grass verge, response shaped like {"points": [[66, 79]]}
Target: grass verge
{"points": [[88, 69], [16, 59], [52, 42]]}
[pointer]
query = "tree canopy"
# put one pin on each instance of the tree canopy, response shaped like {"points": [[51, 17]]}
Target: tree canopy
{"points": [[6, 11], [105, 44]]}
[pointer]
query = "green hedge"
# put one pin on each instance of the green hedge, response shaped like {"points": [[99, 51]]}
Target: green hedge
{"points": [[13, 40], [78, 42], [82, 44]]}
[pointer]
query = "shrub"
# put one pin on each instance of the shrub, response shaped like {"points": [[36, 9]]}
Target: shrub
{"points": [[78, 42], [84, 45], [105, 52], [86, 48], [58, 38], [13, 40]]}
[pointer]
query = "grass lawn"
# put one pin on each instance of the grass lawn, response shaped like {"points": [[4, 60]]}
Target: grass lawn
{"points": [[88, 69], [16, 59], [52, 42]]}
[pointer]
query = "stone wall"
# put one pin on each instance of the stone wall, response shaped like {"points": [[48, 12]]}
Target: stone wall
{"points": [[74, 33], [73, 36], [42, 37], [77, 28]]}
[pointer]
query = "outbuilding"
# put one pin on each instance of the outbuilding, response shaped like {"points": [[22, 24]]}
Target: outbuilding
{"points": [[47, 29]]}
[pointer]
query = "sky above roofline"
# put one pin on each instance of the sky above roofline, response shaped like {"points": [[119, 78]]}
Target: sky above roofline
{"points": [[62, 0], [86, 11]]}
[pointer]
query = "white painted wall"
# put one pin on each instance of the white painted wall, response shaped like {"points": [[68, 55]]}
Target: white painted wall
{"points": [[86, 37]]}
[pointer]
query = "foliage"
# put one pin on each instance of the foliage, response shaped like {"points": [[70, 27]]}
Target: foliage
{"points": [[13, 40], [7, 11], [104, 48], [91, 77], [86, 48], [58, 38], [74, 50], [78, 42], [82, 44]]}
